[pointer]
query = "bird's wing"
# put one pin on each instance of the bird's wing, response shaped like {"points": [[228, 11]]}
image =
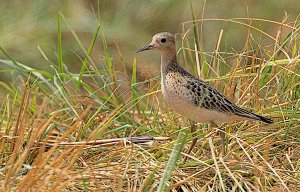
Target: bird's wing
{"points": [[207, 97], [204, 96]]}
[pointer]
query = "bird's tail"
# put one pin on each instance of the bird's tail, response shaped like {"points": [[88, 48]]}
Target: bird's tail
{"points": [[245, 113], [263, 119]]}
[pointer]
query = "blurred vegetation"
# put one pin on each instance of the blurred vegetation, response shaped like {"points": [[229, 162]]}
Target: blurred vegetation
{"points": [[27, 26]]}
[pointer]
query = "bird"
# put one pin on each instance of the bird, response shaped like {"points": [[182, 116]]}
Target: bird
{"points": [[190, 96]]}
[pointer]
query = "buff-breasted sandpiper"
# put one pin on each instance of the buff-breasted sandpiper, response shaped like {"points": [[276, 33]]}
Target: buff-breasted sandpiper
{"points": [[191, 97]]}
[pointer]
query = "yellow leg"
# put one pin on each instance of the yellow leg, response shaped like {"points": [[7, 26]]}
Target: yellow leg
{"points": [[194, 141], [222, 135], [223, 139]]}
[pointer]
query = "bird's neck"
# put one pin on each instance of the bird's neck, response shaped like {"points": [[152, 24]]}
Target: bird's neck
{"points": [[168, 60]]}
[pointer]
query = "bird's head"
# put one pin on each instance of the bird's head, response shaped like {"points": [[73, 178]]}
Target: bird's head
{"points": [[161, 41]]}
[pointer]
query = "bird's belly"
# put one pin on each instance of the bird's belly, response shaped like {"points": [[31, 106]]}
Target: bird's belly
{"points": [[187, 109]]}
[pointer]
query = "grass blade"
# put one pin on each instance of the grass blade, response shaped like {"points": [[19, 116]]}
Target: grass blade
{"points": [[181, 139], [59, 45]]}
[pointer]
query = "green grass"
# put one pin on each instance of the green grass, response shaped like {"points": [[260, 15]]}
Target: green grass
{"points": [[55, 124]]}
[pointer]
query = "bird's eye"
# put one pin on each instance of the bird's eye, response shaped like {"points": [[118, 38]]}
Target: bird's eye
{"points": [[163, 40]]}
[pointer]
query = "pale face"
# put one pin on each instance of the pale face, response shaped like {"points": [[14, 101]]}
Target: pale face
{"points": [[161, 41]]}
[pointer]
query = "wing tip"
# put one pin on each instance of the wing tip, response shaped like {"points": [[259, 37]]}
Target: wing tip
{"points": [[264, 119]]}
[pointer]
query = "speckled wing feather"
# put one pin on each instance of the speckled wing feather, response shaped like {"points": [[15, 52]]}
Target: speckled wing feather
{"points": [[204, 96]]}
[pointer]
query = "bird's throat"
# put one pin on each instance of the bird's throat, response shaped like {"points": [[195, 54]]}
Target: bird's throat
{"points": [[168, 60]]}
